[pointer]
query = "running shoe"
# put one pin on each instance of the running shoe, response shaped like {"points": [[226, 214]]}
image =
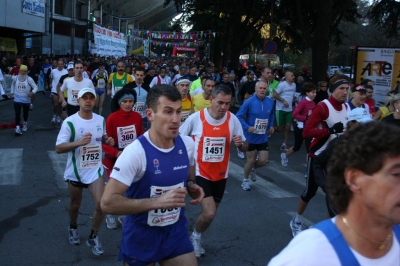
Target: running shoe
{"points": [[284, 159], [58, 120], [198, 250], [253, 175], [53, 121], [25, 127], [246, 185], [240, 154], [95, 244], [18, 131], [296, 227], [121, 219], [111, 222], [73, 236], [31, 107], [283, 147]]}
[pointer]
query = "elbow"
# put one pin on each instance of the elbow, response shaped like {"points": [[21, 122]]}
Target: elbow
{"points": [[58, 150], [104, 205]]}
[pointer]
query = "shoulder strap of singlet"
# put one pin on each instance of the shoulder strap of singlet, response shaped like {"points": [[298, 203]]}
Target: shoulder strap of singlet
{"points": [[396, 230], [337, 241]]}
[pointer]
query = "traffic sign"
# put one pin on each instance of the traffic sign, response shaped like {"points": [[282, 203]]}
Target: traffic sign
{"points": [[270, 47]]}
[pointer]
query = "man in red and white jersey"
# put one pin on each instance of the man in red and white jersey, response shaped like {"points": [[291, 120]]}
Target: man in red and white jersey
{"points": [[213, 129], [326, 122]]}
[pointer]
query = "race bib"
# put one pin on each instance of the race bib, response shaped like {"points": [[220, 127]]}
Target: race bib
{"points": [[260, 126], [116, 89], [74, 98], [126, 135], [213, 149], [21, 87], [139, 107], [101, 84], [300, 124], [185, 115], [163, 217], [90, 156]]}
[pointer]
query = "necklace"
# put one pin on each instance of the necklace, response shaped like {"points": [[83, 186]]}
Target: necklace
{"points": [[381, 244]]}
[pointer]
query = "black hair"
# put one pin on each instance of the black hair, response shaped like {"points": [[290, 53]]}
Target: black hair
{"points": [[125, 90]]}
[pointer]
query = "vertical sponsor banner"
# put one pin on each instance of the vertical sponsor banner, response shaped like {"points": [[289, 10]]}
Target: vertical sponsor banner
{"points": [[146, 46], [396, 69], [378, 65]]}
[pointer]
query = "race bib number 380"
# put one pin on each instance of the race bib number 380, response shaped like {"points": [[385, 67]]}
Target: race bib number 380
{"points": [[213, 149], [163, 217], [90, 156]]}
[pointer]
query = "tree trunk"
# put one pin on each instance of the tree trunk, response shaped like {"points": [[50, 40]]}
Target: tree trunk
{"points": [[320, 42]]}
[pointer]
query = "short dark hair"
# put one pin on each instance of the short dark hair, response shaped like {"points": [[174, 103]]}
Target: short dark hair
{"points": [[365, 81], [221, 89], [364, 147], [168, 91], [77, 63], [120, 61], [125, 90], [308, 87], [139, 68]]}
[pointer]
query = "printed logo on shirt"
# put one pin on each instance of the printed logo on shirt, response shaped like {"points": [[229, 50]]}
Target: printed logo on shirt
{"points": [[216, 128], [156, 165], [180, 167], [98, 139], [180, 151], [81, 130], [99, 128], [116, 168]]}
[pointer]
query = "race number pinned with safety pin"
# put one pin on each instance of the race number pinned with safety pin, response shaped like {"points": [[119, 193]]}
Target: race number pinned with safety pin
{"points": [[74, 97], [90, 156], [163, 217], [139, 107], [213, 149], [260, 126], [126, 135]]}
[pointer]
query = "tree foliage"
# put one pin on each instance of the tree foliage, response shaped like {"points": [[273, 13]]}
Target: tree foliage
{"points": [[385, 14]]}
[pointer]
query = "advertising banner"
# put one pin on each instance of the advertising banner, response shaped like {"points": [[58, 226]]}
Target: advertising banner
{"points": [[108, 42], [9, 44], [382, 66], [34, 7]]}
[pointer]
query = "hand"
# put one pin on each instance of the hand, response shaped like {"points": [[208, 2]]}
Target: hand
{"points": [[251, 129], [108, 92], [110, 141], [173, 198], [64, 103], [271, 130], [237, 140], [196, 192], [336, 128], [30, 94], [285, 103], [86, 138]]}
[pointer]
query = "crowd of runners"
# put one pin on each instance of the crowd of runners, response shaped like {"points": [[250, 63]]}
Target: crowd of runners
{"points": [[169, 135]]}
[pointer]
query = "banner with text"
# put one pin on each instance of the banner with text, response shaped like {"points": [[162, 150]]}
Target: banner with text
{"points": [[34, 7], [108, 42], [382, 66]]}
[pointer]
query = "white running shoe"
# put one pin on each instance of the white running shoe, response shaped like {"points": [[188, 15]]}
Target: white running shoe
{"points": [[284, 147], [198, 250], [240, 154], [25, 127], [73, 236], [31, 107], [296, 227], [253, 175], [284, 159], [121, 219], [53, 121], [246, 185], [18, 131], [95, 244], [58, 120], [111, 222]]}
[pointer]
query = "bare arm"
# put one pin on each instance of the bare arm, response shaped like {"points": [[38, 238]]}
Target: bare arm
{"points": [[113, 200], [70, 146]]}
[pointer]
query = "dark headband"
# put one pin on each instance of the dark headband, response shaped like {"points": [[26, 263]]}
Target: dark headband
{"points": [[337, 84]]}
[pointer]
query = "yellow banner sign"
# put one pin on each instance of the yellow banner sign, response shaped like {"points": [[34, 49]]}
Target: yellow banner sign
{"points": [[10, 45]]}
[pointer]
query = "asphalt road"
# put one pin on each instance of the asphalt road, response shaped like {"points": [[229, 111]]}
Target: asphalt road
{"points": [[249, 229]]}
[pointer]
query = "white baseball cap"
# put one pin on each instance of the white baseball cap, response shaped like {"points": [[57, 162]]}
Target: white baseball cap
{"points": [[70, 65], [86, 90], [360, 115]]}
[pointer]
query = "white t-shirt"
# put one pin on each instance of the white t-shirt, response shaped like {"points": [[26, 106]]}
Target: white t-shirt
{"points": [[132, 161], [96, 126], [197, 91], [21, 88], [312, 248], [165, 80], [56, 75], [73, 87], [286, 92], [193, 127]]}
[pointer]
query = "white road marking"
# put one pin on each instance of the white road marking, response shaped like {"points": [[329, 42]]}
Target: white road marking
{"points": [[11, 166], [59, 161], [266, 188]]}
